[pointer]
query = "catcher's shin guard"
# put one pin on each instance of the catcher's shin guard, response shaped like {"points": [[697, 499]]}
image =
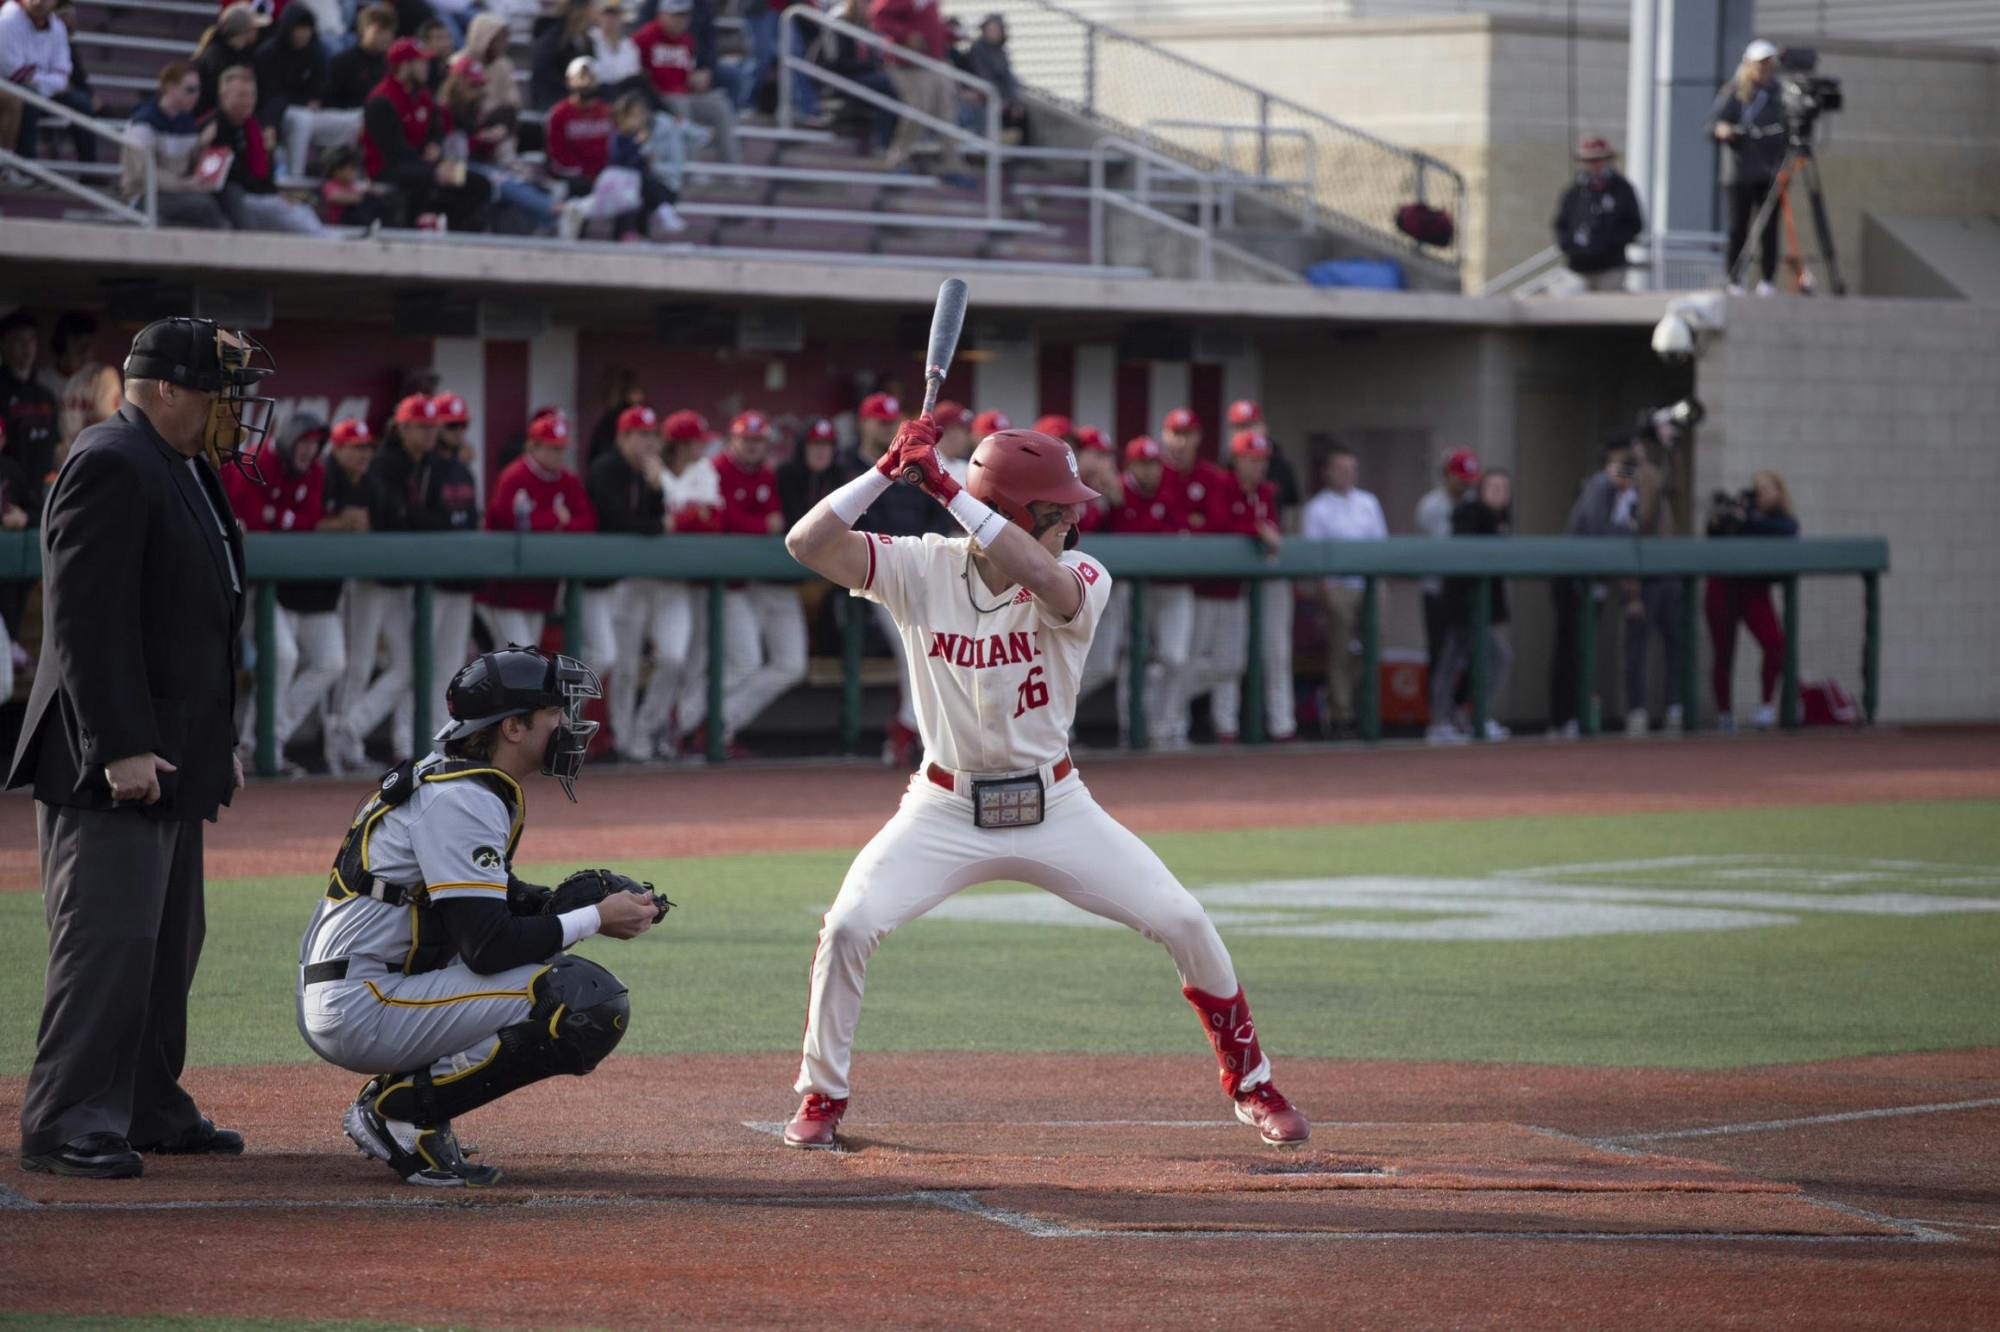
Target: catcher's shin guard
{"points": [[1234, 1036], [579, 1014]]}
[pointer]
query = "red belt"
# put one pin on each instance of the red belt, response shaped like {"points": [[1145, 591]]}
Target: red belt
{"points": [[941, 776]]}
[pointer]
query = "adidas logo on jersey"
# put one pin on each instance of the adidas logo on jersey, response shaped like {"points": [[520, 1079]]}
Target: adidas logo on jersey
{"points": [[981, 653], [1023, 597]]}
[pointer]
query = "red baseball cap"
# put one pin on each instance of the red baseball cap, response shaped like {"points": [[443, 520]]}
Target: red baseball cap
{"points": [[1181, 420], [452, 409], [877, 407], [1055, 426], [948, 414], [403, 50], [468, 70], [639, 419], [1144, 448], [417, 409], [686, 427], [549, 427], [1462, 465], [1244, 412], [352, 433], [1250, 444], [990, 423], [1090, 437], [820, 432], [750, 425]]}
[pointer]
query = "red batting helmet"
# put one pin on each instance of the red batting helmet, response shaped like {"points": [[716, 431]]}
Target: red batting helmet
{"points": [[1012, 469]]}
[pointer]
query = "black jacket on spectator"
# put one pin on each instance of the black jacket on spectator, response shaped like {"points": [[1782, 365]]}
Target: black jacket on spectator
{"points": [[33, 423], [1756, 157], [404, 167], [351, 76], [623, 500], [219, 56], [286, 77], [1596, 220], [984, 60], [142, 573], [1473, 518], [799, 488], [428, 494], [549, 67]]}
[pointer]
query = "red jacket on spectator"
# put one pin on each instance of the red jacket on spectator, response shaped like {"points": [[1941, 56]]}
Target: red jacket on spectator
{"points": [[288, 501], [1164, 512], [422, 119], [667, 60], [528, 499], [1233, 513], [898, 20], [749, 499], [579, 139]]}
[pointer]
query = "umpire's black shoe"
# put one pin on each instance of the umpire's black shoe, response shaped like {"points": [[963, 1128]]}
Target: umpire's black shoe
{"points": [[91, 1156], [204, 1139], [427, 1157]]}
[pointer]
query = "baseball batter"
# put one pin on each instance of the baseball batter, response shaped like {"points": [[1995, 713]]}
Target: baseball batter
{"points": [[997, 625]]}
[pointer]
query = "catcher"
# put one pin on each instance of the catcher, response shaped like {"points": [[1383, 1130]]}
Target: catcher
{"points": [[429, 965]]}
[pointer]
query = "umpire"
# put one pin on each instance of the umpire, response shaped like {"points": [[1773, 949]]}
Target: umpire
{"points": [[128, 744]]}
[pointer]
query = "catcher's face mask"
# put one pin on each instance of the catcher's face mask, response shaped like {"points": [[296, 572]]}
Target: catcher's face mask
{"points": [[570, 742]]}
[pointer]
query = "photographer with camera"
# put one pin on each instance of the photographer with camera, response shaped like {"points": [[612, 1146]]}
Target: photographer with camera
{"points": [[1764, 510], [1749, 120]]}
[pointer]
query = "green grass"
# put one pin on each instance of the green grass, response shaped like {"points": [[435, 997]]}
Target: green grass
{"points": [[726, 973]]}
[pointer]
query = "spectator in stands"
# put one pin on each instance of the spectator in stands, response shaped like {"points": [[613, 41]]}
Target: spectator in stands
{"points": [[1457, 475], [1597, 217], [435, 38], [684, 86], [292, 69], [762, 22], [35, 53], [619, 68], [165, 130], [30, 412], [1342, 511], [454, 15], [1749, 121], [861, 63], [249, 194], [579, 130], [815, 471], [519, 205], [486, 41], [353, 74], [1488, 513], [764, 626], [557, 49], [349, 199], [230, 42], [1243, 504], [655, 216], [402, 144], [311, 652], [535, 493], [986, 58], [916, 25], [86, 389], [898, 512], [1765, 510], [1602, 508]]}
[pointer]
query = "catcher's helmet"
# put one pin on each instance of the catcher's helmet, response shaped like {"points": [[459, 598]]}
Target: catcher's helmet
{"points": [[1012, 469], [516, 682]]}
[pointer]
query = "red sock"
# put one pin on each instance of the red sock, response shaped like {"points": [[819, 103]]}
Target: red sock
{"points": [[1232, 1033]]}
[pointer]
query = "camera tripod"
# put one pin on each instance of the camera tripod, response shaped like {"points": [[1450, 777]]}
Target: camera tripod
{"points": [[1800, 163]]}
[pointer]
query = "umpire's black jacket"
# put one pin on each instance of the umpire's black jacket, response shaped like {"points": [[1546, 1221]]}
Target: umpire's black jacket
{"points": [[141, 566]]}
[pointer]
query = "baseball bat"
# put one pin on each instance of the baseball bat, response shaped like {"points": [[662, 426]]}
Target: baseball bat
{"points": [[947, 321]]}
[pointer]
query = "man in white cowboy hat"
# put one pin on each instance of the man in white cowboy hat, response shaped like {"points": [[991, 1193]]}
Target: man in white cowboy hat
{"points": [[1597, 218]]}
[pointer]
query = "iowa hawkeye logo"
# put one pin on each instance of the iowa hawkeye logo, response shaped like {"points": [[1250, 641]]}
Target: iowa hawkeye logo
{"points": [[978, 652]]}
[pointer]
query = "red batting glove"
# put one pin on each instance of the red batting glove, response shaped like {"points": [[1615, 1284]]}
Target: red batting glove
{"points": [[936, 482], [890, 464]]}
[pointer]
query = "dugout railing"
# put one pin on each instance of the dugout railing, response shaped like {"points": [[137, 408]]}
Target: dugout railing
{"points": [[715, 561]]}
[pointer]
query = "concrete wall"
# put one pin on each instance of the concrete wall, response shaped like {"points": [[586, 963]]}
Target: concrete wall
{"points": [[1880, 415], [1920, 135]]}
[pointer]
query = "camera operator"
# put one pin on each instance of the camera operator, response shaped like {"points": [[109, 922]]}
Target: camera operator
{"points": [[1763, 510], [1749, 120]]}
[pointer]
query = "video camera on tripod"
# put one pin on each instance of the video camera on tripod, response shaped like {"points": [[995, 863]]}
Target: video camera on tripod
{"points": [[1804, 92]]}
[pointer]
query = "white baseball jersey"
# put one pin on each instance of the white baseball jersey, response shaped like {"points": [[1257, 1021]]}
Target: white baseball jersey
{"points": [[994, 674]]}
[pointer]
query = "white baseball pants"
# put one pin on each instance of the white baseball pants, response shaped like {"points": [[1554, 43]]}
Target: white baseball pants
{"points": [[655, 611], [1170, 611], [764, 641], [1221, 654], [507, 626], [451, 644], [1275, 642], [374, 614], [930, 850]]}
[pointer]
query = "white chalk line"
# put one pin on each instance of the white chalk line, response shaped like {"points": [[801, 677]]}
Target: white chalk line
{"points": [[1805, 1121]]}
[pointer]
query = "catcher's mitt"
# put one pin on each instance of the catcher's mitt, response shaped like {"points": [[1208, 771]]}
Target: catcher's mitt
{"points": [[589, 887]]}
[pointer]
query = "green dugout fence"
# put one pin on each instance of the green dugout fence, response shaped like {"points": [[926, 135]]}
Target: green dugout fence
{"points": [[715, 561]]}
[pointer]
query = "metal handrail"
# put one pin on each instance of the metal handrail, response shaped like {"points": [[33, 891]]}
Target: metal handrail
{"points": [[1202, 230], [787, 63], [1262, 178], [148, 216]]}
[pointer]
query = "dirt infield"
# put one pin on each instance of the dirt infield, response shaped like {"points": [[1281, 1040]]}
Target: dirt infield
{"points": [[982, 1190], [291, 828]]}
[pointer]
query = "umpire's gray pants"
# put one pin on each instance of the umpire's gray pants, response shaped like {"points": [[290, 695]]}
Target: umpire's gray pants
{"points": [[122, 892]]}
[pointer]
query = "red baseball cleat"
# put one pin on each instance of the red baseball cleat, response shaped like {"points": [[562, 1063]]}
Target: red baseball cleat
{"points": [[819, 1117], [1265, 1109]]}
